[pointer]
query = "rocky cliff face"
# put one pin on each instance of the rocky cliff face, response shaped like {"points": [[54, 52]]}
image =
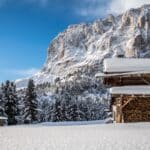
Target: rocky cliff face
{"points": [[80, 49]]}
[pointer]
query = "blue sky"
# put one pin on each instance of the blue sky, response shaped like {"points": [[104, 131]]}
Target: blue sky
{"points": [[28, 26]]}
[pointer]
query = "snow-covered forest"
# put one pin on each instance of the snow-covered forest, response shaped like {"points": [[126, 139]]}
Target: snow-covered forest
{"points": [[69, 101]]}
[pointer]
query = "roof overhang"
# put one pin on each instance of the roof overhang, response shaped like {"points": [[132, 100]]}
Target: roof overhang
{"points": [[3, 118], [130, 90], [120, 65], [122, 74]]}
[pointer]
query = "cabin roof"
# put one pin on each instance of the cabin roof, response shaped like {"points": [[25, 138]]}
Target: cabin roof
{"points": [[121, 74], [122, 65], [130, 90], [3, 118]]}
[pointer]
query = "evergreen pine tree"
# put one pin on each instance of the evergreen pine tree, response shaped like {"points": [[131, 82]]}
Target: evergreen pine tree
{"points": [[10, 100], [67, 100], [63, 111], [30, 103], [2, 110], [16, 99], [56, 113], [73, 112]]}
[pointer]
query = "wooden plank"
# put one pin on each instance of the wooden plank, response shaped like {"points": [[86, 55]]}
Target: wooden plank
{"points": [[137, 79]]}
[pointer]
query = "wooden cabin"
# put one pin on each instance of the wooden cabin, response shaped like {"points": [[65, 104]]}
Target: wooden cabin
{"points": [[130, 103], [3, 121], [128, 81]]}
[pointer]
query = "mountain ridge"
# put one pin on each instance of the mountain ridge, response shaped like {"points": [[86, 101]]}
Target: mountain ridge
{"points": [[81, 48]]}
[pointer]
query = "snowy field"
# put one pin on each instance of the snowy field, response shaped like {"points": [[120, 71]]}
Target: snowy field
{"points": [[76, 137]]}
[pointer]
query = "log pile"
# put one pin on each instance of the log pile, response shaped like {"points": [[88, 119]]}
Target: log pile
{"points": [[132, 108]]}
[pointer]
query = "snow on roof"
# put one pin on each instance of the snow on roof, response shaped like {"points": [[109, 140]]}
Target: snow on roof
{"points": [[126, 65], [121, 74], [3, 118], [131, 90]]}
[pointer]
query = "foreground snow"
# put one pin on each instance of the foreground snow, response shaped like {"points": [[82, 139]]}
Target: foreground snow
{"points": [[72, 123], [83, 137]]}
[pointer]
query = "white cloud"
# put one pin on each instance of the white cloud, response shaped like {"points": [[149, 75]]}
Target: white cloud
{"points": [[23, 72], [101, 8], [119, 6], [91, 8]]}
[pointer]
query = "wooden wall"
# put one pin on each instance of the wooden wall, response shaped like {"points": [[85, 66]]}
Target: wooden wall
{"points": [[2, 122], [137, 110], [127, 80], [131, 109]]}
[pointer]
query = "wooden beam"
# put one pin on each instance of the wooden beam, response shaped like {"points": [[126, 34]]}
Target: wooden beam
{"points": [[128, 101], [131, 95], [147, 82]]}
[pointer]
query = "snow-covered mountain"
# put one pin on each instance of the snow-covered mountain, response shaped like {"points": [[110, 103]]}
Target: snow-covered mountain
{"points": [[81, 48]]}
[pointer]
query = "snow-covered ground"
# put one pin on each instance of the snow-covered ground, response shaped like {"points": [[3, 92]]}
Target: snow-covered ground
{"points": [[83, 137], [72, 123]]}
